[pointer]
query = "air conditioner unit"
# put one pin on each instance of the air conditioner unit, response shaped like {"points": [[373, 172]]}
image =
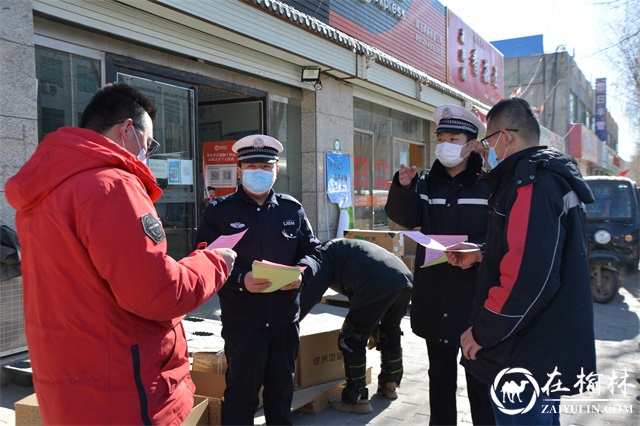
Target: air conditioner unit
{"points": [[50, 89]]}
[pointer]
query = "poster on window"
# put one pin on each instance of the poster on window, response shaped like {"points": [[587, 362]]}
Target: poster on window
{"points": [[219, 167], [174, 171], [339, 179], [186, 172]]}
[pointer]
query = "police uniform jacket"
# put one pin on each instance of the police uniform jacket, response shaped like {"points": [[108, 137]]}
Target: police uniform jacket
{"points": [[441, 204], [277, 231], [533, 309]]}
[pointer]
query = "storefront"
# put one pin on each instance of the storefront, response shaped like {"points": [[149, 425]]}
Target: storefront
{"points": [[199, 108], [383, 138], [595, 157], [221, 70], [217, 76]]}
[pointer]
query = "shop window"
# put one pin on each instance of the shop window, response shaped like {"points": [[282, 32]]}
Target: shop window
{"points": [[573, 108], [173, 164], [50, 71], [85, 76], [66, 83], [581, 113], [383, 137], [285, 124], [50, 119]]}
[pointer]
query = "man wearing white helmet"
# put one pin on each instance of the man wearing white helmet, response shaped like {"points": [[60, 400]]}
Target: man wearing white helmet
{"points": [[449, 200], [261, 330]]}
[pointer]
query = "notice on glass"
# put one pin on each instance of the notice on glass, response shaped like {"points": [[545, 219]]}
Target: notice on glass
{"points": [[279, 275], [227, 241], [434, 245]]}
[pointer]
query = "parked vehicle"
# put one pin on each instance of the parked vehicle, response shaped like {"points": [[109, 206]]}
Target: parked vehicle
{"points": [[613, 233]]}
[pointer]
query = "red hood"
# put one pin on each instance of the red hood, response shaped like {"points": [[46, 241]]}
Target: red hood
{"points": [[64, 153]]}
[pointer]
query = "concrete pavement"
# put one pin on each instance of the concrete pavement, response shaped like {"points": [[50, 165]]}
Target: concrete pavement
{"points": [[617, 330]]}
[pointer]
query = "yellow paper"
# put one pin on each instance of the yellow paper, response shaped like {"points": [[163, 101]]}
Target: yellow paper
{"points": [[279, 275]]}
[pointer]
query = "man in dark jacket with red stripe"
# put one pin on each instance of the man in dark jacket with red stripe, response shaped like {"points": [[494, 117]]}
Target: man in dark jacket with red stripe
{"points": [[451, 200], [531, 333]]}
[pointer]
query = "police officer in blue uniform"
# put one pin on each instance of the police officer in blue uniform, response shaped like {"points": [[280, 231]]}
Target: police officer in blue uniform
{"points": [[260, 330]]}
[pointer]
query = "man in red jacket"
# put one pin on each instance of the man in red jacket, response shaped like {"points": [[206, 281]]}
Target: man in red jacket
{"points": [[103, 302]]}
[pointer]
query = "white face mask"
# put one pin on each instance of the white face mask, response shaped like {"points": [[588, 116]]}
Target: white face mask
{"points": [[258, 181], [449, 153], [142, 154]]}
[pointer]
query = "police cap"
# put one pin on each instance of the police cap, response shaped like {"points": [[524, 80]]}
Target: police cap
{"points": [[257, 149], [456, 119]]}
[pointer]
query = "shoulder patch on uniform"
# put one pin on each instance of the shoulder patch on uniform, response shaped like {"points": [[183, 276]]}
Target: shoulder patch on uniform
{"points": [[218, 200], [288, 198], [153, 228]]}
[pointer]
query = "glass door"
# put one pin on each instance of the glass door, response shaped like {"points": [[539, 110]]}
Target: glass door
{"points": [[408, 153], [363, 179], [173, 163]]}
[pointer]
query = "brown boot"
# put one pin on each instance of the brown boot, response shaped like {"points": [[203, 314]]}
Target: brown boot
{"points": [[389, 390], [361, 407]]}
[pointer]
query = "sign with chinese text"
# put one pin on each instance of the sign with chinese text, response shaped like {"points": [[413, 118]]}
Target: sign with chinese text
{"points": [[411, 30], [339, 178], [473, 65], [550, 139], [219, 165], [583, 143]]}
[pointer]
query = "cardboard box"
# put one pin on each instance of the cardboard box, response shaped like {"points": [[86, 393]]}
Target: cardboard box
{"points": [[208, 384], [215, 411], [28, 411], [320, 360], [199, 414], [393, 241], [409, 261], [212, 385], [410, 247], [395, 226], [210, 361]]}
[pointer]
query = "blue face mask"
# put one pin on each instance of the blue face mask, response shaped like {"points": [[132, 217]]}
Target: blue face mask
{"points": [[258, 181], [492, 157]]}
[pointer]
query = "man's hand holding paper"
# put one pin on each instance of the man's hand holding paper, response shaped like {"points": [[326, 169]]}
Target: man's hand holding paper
{"points": [[295, 284], [464, 255], [256, 285], [281, 277], [434, 245], [229, 257]]}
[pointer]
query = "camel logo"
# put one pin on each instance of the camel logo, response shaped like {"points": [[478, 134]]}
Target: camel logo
{"points": [[512, 389]]}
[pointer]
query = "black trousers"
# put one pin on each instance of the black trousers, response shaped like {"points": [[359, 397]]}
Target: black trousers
{"points": [[256, 357], [443, 375], [386, 314]]}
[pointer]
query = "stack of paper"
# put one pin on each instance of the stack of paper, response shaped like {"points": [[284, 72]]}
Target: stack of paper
{"points": [[434, 245], [279, 275]]}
